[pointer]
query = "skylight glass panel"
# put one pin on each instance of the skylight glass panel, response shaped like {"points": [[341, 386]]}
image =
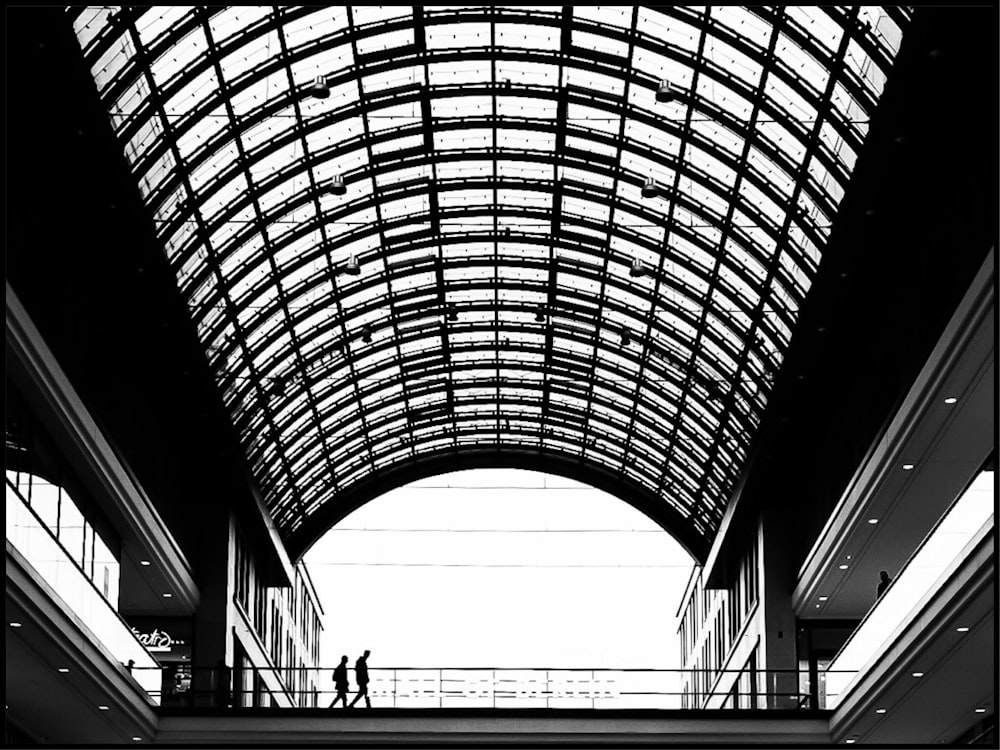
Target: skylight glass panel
{"points": [[820, 27], [458, 35], [389, 40], [618, 16], [527, 36], [587, 79], [525, 73], [563, 300], [604, 44], [235, 20]]}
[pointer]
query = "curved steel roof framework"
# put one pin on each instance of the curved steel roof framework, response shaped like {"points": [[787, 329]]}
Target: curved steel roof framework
{"points": [[579, 234]]}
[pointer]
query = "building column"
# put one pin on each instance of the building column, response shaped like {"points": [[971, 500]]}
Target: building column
{"points": [[778, 656], [213, 642]]}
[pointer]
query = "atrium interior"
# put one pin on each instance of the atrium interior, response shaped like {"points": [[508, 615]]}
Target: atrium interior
{"points": [[733, 266]]}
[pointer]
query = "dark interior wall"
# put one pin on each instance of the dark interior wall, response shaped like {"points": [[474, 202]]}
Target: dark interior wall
{"points": [[83, 258], [916, 224]]}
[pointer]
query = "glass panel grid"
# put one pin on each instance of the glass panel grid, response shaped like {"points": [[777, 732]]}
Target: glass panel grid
{"points": [[484, 223]]}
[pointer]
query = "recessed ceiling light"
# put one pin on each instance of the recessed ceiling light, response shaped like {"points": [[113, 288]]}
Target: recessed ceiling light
{"points": [[15, 624], [880, 710], [849, 742], [850, 557], [918, 674], [104, 708], [950, 400], [146, 563], [907, 467], [873, 521], [843, 567], [980, 710], [962, 629], [63, 670], [823, 598], [168, 595], [137, 739]]}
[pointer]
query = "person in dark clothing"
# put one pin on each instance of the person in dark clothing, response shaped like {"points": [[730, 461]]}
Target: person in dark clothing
{"points": [[361, 675], [340, 682], [223, 683], [883, 583]]}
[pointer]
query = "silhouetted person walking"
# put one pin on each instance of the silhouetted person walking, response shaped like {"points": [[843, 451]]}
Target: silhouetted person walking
{"points": [[361, 675], [883, 583], [340, 682]]}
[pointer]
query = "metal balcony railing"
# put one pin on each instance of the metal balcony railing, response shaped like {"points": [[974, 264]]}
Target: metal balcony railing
{"points": [[489, 687]]}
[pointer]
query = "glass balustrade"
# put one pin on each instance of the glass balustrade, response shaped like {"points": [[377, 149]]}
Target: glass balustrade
{"points": [[34, 541]]}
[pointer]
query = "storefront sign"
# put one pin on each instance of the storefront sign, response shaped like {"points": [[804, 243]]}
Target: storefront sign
{"points": [[158, 641], [168, 639]]}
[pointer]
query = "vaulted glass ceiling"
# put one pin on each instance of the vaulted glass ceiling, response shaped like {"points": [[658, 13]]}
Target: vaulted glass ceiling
{"points": [[577, 232]]}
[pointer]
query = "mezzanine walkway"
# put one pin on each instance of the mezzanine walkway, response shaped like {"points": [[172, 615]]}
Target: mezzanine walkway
{"points": [[485, 726]]}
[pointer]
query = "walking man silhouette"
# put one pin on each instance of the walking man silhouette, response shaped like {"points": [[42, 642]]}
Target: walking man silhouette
{"points": [[361, 675], [340, 682]]}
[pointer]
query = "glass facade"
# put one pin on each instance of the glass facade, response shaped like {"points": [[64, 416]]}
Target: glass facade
{"points": [[287, 622]]}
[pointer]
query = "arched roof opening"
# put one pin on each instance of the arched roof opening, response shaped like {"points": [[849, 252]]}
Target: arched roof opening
{"points": [[505, 568], [577, 234]]}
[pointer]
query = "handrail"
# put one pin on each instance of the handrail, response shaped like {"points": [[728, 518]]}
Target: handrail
{"points": [[503, 687]]}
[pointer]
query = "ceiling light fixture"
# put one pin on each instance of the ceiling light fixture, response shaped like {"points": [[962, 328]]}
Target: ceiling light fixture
{"points": [[918, 674], [980, 710], [873, 521], [823, 598], [650, 189], [638, 268], [63, 670], [366, 335], [319, 88], [907, 467], [962, 629], [665, 92], [168, 595], [104, 708], [950, 400], [540, 314], [353, 268], [843, 567], [15, 624], [337, 186], [145, 563], [880, 710]]}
